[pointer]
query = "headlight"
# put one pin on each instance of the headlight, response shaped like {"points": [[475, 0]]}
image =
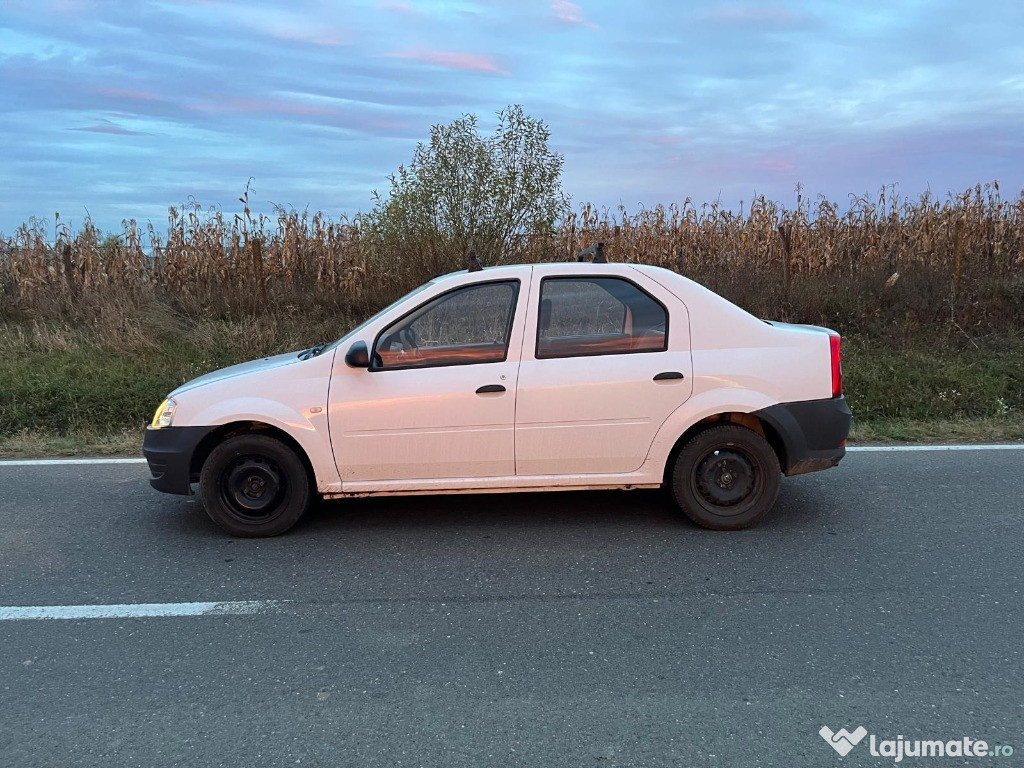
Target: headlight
{"points": [[164, 414]]}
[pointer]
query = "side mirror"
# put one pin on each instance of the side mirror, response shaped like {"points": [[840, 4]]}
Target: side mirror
{"points": [[358, 356]]}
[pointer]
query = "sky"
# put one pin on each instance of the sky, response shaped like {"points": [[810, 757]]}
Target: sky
{"points": [[119, 109]]}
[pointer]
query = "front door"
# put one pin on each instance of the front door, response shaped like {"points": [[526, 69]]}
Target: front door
{"points": [[438, 400], [608, 365]]}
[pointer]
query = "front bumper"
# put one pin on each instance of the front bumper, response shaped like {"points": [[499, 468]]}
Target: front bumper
{"points": [[813, 432], [169, 454]]}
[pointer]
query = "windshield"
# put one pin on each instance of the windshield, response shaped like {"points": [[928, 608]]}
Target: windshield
{"points": [[386, 309]]}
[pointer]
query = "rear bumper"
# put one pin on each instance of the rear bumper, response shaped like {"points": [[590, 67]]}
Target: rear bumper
{"points": [[813, 432], [169, 454]]}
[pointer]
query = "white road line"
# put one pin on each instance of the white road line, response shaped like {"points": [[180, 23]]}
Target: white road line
{"points": [[44, 462], [135, 610], [902, 448]]}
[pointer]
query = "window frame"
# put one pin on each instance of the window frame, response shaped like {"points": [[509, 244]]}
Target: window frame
{"points": [[516, 287], [589, 278]]}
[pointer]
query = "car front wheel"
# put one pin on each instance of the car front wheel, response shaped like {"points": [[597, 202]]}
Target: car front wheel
{"points": [[726, 478], [253, 485]]}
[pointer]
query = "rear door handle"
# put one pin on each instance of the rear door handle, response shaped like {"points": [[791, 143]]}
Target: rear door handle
{"points": [[490, 388], [669, 376]]}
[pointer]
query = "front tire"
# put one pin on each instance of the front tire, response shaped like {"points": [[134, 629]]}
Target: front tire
{"points": [[726, 478], [254, 486]]}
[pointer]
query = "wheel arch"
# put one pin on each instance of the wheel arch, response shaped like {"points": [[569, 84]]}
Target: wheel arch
{"points": [[748, 420], [219, 434]]}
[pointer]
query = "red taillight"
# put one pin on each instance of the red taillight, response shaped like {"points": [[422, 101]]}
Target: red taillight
{"points": [[837, 365]]}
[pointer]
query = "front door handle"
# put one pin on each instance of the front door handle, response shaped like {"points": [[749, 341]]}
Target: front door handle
{"points": [[669, 376], [490, 388]]}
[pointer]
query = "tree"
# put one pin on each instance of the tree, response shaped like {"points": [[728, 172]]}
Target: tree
{"points": [[462, 192]]}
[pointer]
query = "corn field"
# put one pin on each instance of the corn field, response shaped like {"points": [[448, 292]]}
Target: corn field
{"points": [[884, 265]]}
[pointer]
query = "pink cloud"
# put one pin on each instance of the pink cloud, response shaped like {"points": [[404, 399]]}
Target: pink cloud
{"points": [[666, 140], [470, 62], [569, 13]]}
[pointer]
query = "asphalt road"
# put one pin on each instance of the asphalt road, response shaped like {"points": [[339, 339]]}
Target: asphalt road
{"points": [[594, 629]]}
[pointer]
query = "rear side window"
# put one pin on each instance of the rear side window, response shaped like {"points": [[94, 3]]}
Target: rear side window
{"points": [[598, 316]]}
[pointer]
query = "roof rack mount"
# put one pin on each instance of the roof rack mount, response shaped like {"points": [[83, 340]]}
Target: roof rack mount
{"points": [[597, 251]]}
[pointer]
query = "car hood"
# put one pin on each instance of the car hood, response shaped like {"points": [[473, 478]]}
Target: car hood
{"points": [[242, 369]]}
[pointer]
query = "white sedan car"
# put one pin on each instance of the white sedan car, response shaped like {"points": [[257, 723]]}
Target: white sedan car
{"points": [[537, 377]]}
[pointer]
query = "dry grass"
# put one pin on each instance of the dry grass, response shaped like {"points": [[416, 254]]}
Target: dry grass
{"points": [[881, 266], [94, 329]]}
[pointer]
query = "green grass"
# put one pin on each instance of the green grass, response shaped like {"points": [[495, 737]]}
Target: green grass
{"points": [[91, 389], [933, 381], [64, 380], [988, 429]]}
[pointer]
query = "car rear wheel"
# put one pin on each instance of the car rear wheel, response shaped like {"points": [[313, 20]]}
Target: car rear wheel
{"points": [[726, 478], [253, 485]]}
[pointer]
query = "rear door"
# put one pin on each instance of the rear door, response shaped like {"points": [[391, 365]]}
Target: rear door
{"points": [[605, 360]]}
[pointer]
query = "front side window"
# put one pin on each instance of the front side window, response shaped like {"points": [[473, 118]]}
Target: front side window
{"points": [[466, 325], [598, 316]]}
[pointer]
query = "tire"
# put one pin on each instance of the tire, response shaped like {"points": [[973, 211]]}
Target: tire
{"points": [[726, 478], [254, 486]]}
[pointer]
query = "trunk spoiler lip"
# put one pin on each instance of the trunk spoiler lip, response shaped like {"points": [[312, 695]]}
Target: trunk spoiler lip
{"points": [[800, 326]]}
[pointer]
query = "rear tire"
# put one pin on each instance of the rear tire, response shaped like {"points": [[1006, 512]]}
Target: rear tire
{"points": [[253, 486], [726, 478]]}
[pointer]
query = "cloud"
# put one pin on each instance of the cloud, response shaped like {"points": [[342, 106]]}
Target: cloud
{"points": [[108, 126], [469, 62], [401, 8], [303, 22], [70, 7], [697, 98], [259, 107], [755, 14], [569, 13], [298, 35], [128, 94], [771, 164]]}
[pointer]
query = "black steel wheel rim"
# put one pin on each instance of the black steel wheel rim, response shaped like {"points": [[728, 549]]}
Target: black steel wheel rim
{"points": [[252, 488], [725, 478]]}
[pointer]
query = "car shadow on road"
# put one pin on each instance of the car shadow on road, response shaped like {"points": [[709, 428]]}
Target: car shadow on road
{"points": [[799, 506], [802, 504], [570, 508]]}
